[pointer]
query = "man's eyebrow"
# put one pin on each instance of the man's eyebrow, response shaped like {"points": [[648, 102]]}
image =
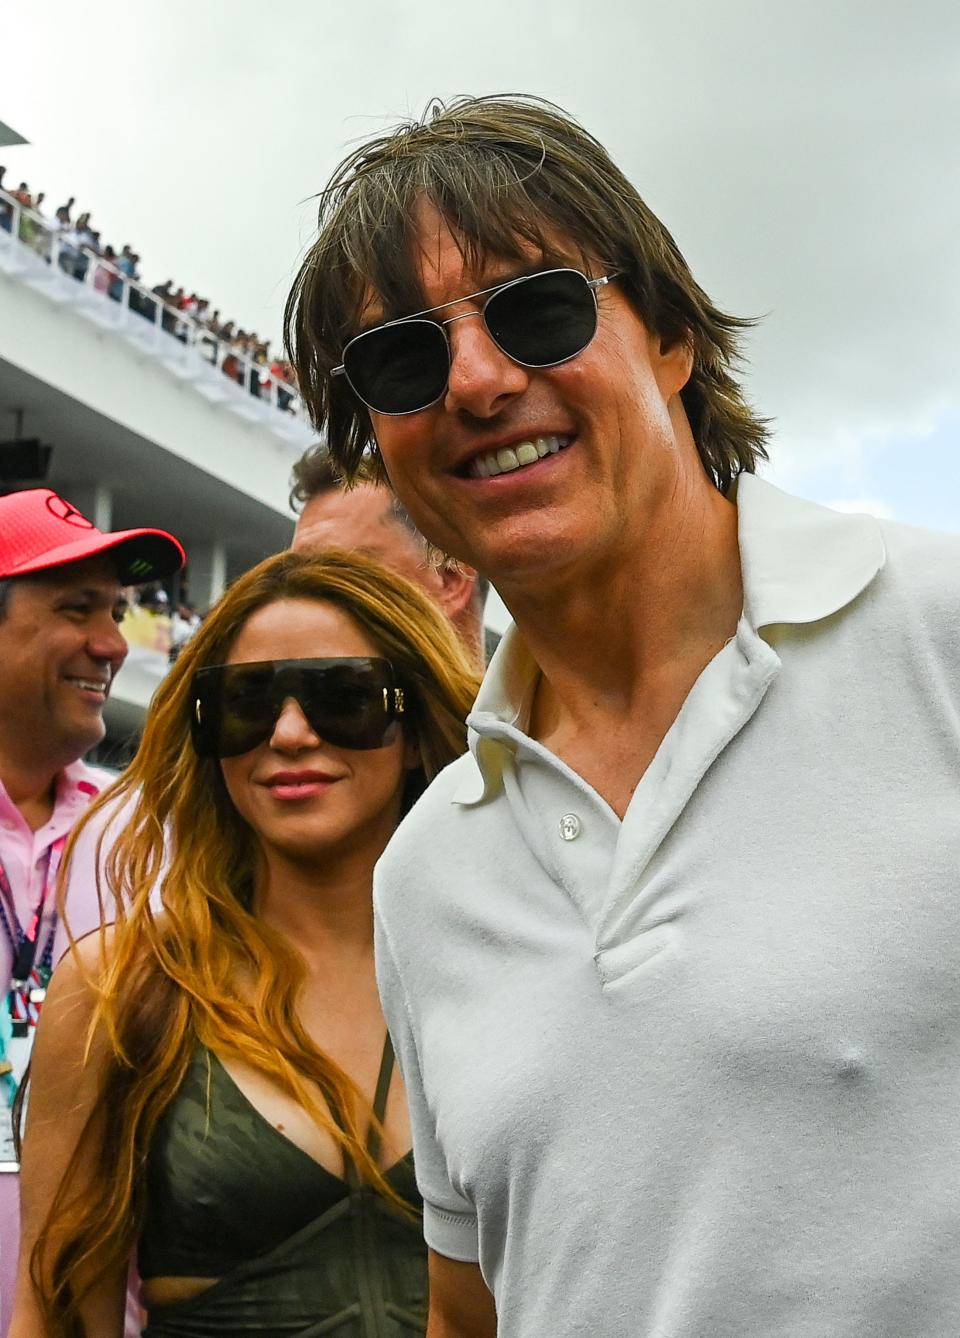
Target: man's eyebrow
{"points": [[518, 271], [91, 593]]}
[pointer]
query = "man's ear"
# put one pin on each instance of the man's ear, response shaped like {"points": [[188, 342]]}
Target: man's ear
{"points": [[673, 363], [458, 583]]}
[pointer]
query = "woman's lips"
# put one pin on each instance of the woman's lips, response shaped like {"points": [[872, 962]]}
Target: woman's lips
{"points": [[304, 785]]}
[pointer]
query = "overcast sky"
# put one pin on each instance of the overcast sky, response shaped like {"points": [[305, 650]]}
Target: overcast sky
{"points": [[804, 154]]}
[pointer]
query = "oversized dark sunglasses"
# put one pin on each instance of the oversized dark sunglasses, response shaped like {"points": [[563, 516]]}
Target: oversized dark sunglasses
{"points": [[350, 702], [539, 320]]}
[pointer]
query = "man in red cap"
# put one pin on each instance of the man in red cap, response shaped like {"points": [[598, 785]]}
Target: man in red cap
{"points": [[61, 597]]}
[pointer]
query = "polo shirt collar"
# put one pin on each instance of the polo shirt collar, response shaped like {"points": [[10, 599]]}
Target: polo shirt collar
{"points": [[800, 562], [78, 783]]}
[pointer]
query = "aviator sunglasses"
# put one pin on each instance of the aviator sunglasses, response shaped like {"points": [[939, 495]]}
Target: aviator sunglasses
{"points": [[540, 320], [349, 702]]}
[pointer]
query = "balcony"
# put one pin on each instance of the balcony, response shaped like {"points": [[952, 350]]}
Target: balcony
{"points": [[146, 427]]}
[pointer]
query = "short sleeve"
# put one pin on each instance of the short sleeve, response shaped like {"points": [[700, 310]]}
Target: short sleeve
{"points": [[449, 1220]]}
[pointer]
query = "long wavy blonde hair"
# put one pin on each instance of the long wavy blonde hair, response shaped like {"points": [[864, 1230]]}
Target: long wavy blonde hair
{"points": [[172, 982]]}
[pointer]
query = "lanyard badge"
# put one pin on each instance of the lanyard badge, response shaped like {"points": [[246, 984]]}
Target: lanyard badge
{"points": [[29, 976], [31, 971], [25, 999], [14, 1057], [32, 960]]}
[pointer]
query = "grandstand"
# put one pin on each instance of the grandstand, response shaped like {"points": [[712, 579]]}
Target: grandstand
{"points": [[152, 420]]}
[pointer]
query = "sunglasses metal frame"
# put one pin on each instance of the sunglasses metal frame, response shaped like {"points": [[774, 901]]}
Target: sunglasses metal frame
{"points": [[203, 739], [489, 293]]}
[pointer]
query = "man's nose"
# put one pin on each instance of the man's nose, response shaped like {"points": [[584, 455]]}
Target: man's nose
{"points": [[482, 378], [106, 641]]}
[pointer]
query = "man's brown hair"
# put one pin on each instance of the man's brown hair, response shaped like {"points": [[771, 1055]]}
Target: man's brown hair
{"points": [[508, 174], [313, 475]]}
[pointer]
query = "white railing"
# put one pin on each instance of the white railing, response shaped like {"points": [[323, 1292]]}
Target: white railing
{"points": [[23, 227]]}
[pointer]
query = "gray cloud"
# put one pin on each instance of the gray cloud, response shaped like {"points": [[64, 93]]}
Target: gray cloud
{"points": [[804, 156]]}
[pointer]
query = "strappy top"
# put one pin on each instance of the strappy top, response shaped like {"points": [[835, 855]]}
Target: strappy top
{"points": [[230, 1197]]}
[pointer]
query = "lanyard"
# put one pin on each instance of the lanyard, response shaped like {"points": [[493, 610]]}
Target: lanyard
{"points": [[28, 976]]}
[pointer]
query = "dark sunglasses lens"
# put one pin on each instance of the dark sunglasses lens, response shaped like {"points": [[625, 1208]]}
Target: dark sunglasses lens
{"points": [[349, 703], [545, 319], [345, 704], [247, 716], [399, 368]]}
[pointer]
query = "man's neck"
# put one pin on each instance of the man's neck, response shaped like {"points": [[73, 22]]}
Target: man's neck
{"points": [[468, 625], [609, 641], [32, 789]]}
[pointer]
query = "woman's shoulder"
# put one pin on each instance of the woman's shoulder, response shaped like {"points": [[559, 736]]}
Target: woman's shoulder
{"points": [[80, 969], [84, 970], [68, 1033], [94, 1002], [92, 954]]}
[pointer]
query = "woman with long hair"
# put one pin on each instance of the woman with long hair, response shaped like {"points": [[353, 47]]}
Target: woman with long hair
{"points": [[212, 1081]]}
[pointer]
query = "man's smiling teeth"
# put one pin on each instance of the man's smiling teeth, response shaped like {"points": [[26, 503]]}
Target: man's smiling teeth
{"points": [[91, 684], [509, 458]]}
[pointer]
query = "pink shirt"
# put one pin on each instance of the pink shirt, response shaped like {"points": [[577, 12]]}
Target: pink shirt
{"points": [[24, 854]]}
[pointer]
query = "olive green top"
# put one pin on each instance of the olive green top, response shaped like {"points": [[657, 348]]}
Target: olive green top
{"points": [[298, 1251]]}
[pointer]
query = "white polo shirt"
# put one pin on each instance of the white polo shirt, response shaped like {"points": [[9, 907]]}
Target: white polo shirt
{"points": [[697, 1074]]}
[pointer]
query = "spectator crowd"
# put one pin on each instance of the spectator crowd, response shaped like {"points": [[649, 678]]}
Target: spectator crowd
{"points": [[242, 355]]}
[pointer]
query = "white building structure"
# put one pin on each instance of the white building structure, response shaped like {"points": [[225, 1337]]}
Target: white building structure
{"points": [[146, 426]]}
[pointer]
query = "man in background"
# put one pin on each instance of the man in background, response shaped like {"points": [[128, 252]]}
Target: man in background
{"points": [[369, 518], [61, 598]]}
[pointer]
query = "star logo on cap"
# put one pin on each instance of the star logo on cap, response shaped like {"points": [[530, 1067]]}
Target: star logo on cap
{"points": [[64, 511]]}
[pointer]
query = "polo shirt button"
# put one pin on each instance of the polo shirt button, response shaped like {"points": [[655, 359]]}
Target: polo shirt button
{"points": [[569, 826]]}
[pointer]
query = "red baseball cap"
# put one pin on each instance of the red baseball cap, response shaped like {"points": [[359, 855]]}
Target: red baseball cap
{"points": [[38, 529]]}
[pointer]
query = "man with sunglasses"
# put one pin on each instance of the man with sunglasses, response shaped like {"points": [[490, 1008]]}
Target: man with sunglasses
{"points": [[61, 597], [672, 961]]}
